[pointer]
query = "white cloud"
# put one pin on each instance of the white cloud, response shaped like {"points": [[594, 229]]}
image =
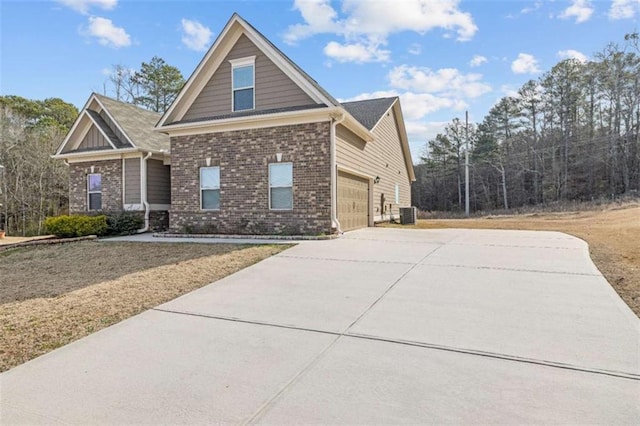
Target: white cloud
{"points": [[525, 64], [107, 34], [573, 54], [624, 9], [83, 6], [581, 10], [369, 24], [477, 60], [357, 52], [415, 49], [447, 81], [195, 35], [536, 5]]}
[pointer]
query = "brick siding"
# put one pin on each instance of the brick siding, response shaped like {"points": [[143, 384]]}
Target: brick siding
{"points": [[111, 171], [244, 157]]}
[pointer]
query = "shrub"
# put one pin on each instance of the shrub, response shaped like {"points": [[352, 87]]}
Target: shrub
{"points": [[123, 223], [76, 226]]}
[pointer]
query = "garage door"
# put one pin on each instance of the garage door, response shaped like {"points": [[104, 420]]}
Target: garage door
{"points": [[353, 201]]}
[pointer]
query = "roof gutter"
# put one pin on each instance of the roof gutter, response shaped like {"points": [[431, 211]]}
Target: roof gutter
{"points": [[106, 152], [145, 203]]}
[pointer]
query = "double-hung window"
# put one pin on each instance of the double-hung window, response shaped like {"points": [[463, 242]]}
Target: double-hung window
{"points": [[210, 188], [281, 186], [94, 191], [243, 82]]}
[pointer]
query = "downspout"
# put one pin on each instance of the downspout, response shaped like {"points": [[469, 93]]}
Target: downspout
{"points": [[334, 174], [143, 194]]}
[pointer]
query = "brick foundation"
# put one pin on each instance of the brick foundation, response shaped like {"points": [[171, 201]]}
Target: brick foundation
{"points": [[243, 157]]}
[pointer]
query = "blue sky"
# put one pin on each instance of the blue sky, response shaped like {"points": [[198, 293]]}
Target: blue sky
{"points": [[441, 57]]}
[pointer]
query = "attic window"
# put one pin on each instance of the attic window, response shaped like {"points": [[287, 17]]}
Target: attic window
{"points": [[243, 83]]}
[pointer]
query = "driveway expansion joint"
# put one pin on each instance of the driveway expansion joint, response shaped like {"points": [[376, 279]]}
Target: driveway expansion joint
{"points": [[424, 345], [497, 268], [392, 262]]}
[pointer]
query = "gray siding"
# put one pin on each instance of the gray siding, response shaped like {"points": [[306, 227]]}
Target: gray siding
{"points": [[273, 89], [94, 139], [132, 181], [158, 182], [383, 158]]}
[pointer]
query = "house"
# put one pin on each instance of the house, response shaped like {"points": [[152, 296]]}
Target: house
{"points": [[257, 146], [117, 162], [251, 145]]}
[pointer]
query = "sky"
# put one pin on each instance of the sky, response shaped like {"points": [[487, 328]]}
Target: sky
{"points": [[442, 57]]}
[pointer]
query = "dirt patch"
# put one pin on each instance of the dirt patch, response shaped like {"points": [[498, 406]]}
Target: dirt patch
{"points": [[29, 328], [54, 270], [613, 235]]}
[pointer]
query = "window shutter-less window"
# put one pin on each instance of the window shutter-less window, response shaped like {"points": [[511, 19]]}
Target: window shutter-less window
{"points": [[281, 186], [210, 188]]}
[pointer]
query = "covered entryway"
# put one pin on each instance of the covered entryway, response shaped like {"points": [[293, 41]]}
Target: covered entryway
{"points": [[353, 201]]}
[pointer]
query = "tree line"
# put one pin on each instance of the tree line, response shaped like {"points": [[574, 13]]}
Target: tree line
{"points": [[34, 186], [572, 134]]}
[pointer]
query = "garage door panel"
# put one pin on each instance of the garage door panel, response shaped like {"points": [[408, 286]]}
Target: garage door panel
{"points": [[353, 201]]}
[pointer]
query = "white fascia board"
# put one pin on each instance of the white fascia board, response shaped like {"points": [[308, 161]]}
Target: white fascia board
{"points": [[249, 122], [197, 81], [75, 124], [100, 130], [115, 122]]}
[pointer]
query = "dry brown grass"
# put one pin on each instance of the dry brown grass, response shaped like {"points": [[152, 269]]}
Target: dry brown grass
{"points": [[124, 280], [613, 235]]}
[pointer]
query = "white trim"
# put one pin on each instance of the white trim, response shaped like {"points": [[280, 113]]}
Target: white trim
{"points": [[89, 192], [114, 121], [109, 154], [232, 31], [243, 63], [384, 115], [209, 189], [354, 172], [269, 185], [123, 186], [73, 127], [157, 207], [133, 207]]}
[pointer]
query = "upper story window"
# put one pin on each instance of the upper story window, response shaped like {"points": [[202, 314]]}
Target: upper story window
{"points": [[94, 191], [243, 83]]}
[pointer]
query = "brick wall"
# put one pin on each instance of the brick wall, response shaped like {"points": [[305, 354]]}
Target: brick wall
{"points": [[111, 171], [243, 157]]}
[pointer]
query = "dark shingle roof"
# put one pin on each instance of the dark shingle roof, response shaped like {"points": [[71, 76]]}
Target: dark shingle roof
{"points": [[369, 112], [137, 123], [107, 130]]}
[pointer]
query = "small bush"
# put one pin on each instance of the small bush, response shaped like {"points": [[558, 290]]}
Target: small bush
{"points": [[76, 226], [123, 223]]}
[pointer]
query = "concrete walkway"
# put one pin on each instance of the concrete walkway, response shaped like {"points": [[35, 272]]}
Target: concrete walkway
{"points": [[380, 326]]}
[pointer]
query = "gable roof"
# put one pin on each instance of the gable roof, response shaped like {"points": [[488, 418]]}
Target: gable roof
{"points": [[136, 123], [235, 27], [132, 122], [370, 111]]}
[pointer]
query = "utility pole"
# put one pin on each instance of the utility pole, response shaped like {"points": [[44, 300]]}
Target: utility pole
{"points": [[466, 165]]}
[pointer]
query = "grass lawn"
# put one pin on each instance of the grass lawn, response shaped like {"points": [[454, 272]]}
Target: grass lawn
{"points": [[53, 295], [613, 235]]}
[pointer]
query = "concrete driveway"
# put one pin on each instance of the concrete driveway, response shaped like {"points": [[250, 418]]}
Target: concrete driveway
{"points": [[380, 326]]}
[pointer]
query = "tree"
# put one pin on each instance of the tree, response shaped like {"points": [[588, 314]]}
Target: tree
{"points": [[159, 84], [34, 185]]}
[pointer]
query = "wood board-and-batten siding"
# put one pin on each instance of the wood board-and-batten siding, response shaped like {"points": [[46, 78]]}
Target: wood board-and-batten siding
{"points": [[132, 181], [273, 89], [158, 182], [381, 158], [94, 139]]}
